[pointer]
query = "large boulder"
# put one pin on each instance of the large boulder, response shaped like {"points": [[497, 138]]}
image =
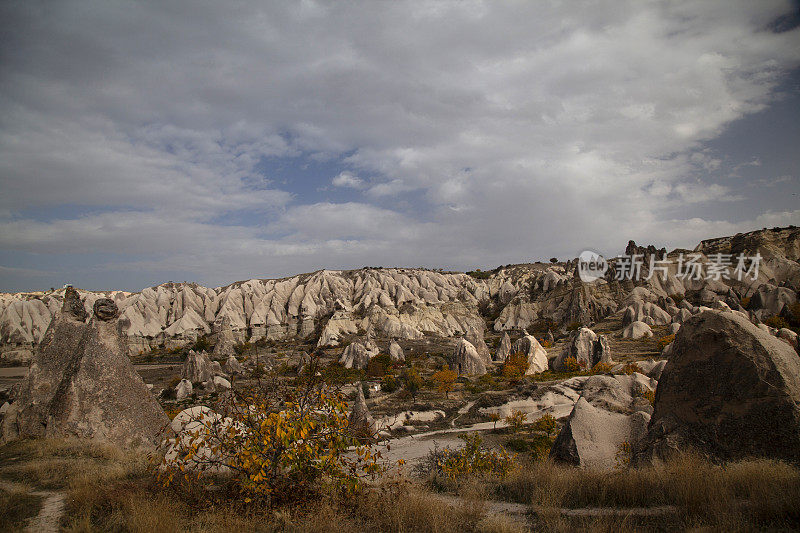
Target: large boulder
{"points": [[504, 350], [728, 390], [355, 355], [197, 368], [226, 341], [360, 421], [396, 352], [466, 360], [476, 338], [609, 413], [95, 392], [770, 300], [536, 354], [587, 348], [637, 330], [646, 312]]}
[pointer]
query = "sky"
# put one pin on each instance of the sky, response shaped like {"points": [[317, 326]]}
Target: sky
{"points": [[144, 142]]}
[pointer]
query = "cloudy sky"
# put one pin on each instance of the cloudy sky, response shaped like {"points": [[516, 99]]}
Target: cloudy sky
{"points": [[142, 142]]}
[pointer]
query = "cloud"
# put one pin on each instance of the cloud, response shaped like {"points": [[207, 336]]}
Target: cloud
{"points": [[348, 179], [489, 132]]}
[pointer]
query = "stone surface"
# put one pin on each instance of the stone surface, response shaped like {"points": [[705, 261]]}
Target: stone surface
{"points": [[396, 352], [226, 341], [729, 390], [183, 390], [606, 415], [197, 368], [360, 419], [536, 354], [504, 350], [637, 330], [586, 347], [355, 355], [92, 389], [466, 361], [233, 367]]}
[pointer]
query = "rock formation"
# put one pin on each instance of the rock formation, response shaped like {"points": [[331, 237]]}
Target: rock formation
{"points": [[226, 341], [504, 350], [636, 330], [466, 360], [608, 413], [396, 352], [355, 355], [729, 390], [197, 368], [536, 354], [360, 420], [233, 367], [586, 347], [92, 389]]}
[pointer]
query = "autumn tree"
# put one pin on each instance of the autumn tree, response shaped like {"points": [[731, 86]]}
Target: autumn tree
{"points": [[515, 366], [445, 380]]}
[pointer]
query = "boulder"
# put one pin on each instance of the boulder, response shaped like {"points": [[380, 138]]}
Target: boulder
{"points": [[586, 347], [504, 350], [475, 337], [770, 300], [466, 361], [82, 384], [360, 421], [602, 420], [197, 368], [549, 337], [637, 330], [396, 352], [355, 355], [183, 390], [789, 336], [226, 341], [536, 354], [728, 390], [233, 367], [221, 383]]}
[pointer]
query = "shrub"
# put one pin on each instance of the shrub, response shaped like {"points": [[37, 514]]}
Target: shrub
{"points": [[479, 274], [677, 298], [571, 365], [777, 322], [242, 347], [546, 343], [664, 341], [379, 365], [515, 420], [444, 379], [277, 443], [515, 366], [574, 326], [412, 382], [630, 368], [648, 395], [546, 424], [495, 418], [744, 302], [601, 368], [389, 383], [474, 458], [202, 343]]}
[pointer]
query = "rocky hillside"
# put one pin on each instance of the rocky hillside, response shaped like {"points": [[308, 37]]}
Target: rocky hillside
{"points": [[328, 306]]}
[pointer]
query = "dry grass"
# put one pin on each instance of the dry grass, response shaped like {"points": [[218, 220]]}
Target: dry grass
{"points": [[741, 495], [111, 490], [17, 507]]}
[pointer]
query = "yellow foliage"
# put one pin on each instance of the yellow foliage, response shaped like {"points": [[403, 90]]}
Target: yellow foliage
{"points": [[516, 419], [444, 379], [473, 458], [276, 443], [515, 366], [571, 365], [546, 424], [664, 341]]}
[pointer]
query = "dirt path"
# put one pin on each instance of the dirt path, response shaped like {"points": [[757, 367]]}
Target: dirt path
{"points": [[49, 517]]}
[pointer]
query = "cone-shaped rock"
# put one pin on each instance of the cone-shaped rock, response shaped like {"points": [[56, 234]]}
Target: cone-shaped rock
{"points": [[197, 368], [361, 421], [466, 361], [396, 352], [504, 350], [98, 394]]}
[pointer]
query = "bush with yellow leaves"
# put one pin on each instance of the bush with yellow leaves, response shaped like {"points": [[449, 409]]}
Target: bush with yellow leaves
{"points": [[445, 380], [276, 443], [474, 459], [515, 420], [571, 365]]}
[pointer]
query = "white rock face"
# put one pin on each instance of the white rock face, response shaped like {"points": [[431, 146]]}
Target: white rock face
{"points": [[356, 355], [396, 352], [536, 354], [646, 312], [636, 330], [466, 361], [504, 350], [221, 383], [233, 366], [197, 368], [598, 425], [183, 390], [587, 348]]}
